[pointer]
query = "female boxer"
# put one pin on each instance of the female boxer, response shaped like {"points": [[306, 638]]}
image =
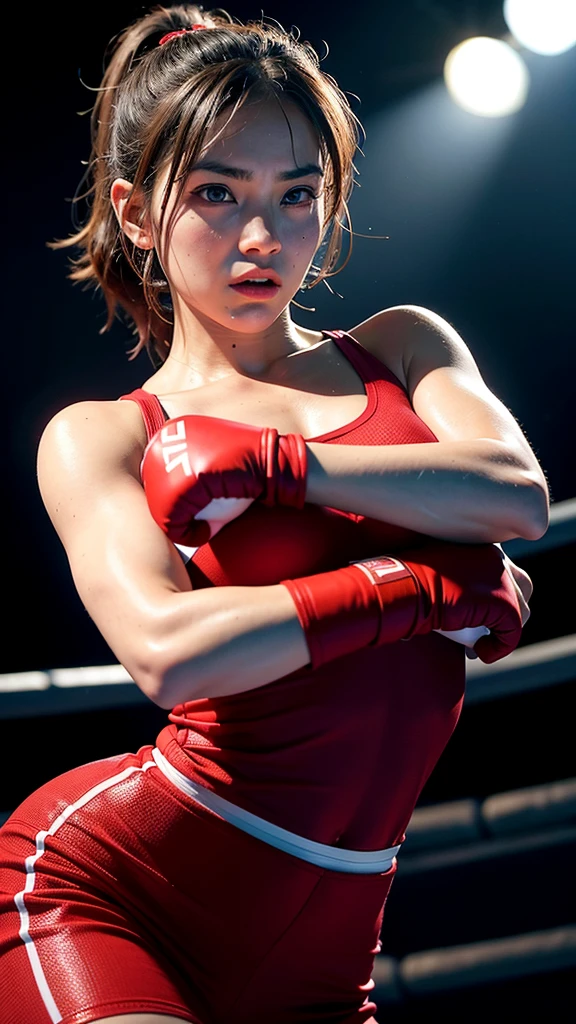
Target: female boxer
{"points": [[273, 534]]}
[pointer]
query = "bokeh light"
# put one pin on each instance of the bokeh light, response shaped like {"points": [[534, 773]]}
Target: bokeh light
{"points": [[543, 26], [487, 77]]}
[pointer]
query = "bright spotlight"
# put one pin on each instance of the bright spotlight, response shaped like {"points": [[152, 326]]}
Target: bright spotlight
{"points": [[486, 77], [544, 26]]}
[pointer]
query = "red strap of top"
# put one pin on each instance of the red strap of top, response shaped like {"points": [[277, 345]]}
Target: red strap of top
{"points": [[152, 412], [368, 366]]}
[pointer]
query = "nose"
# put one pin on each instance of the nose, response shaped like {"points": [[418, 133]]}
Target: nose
{"points": [[259, 234]]}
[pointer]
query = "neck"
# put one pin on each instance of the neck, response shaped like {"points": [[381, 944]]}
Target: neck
{"points": [[207, 352]]}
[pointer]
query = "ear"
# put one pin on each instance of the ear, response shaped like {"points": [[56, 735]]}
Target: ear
{"points": [[133, 217]]}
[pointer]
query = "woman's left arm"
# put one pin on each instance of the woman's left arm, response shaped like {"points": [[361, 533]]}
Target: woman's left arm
{"points": [[481, 483]]}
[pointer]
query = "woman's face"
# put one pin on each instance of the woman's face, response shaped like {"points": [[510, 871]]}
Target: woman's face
{"points": [[226, 225]]}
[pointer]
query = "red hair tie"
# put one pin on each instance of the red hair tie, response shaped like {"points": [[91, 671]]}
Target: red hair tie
{"points": [[180, 32]]}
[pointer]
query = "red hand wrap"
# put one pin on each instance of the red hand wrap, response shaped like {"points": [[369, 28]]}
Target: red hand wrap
{"points": [[286, 464], [373, 602], [382, 600]]}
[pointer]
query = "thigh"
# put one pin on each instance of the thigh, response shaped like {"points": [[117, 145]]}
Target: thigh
{"points": [[81, 971], [122, 896], [71, 951]]}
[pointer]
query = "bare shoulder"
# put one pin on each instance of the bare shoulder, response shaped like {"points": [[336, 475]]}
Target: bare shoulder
{"points": [[88, 445], [100, 431], [411, 341]]}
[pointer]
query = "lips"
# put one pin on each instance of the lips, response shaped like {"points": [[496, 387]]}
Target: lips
{"points": [[267, 290], [258, 274], [257, 282]]}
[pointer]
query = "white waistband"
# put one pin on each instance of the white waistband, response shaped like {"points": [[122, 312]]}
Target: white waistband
{"points": [[332, 857]]}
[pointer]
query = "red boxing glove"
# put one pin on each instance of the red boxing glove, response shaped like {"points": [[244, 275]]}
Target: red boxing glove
{"points": [[199, 472], [381, 600]]}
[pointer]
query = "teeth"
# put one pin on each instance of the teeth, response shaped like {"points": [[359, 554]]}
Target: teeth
{"points": [[257, 280]]}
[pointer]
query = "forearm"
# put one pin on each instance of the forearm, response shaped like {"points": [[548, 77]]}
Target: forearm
{"points": [[226, 640], [471, 491]]}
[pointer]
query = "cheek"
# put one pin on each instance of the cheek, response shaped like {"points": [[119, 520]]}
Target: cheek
{"points": [[303, 234], [194, 247]]}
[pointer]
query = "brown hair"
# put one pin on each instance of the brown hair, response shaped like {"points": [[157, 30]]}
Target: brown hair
{"points": [[159, 103]]}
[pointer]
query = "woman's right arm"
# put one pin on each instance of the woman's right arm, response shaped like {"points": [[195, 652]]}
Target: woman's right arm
{"points": [[180, 645], [177, 644]]}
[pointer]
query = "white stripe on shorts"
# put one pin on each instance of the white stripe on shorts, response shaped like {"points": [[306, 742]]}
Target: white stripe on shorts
{"points": [[30, 868], [331, 857]]}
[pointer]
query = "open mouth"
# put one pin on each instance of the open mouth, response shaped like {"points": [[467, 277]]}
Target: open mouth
{"points": [[262, 288]]}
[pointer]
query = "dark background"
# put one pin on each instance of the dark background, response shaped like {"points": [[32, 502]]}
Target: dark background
{"points": [[480, 214], [481, 224]]}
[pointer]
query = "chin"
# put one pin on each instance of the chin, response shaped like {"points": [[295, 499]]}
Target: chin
{"points": [[245, 322]]}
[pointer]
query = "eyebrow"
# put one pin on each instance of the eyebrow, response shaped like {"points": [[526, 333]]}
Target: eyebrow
{"points": [[242, 175]]}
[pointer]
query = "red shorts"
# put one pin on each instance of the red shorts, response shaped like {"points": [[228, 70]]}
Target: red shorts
{"points": [[119, 894]]}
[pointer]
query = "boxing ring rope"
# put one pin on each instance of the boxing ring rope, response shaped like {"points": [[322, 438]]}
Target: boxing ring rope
{"points": [[473, 964], [59, 690], [453, 834]]}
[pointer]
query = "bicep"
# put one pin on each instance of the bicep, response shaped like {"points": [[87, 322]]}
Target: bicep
{"points": [[457, 405], [123, 566], [446, 388]]}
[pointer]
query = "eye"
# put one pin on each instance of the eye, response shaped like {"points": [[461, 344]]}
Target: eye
{"points": [[299, 196], [215, 194], [308, 193]]}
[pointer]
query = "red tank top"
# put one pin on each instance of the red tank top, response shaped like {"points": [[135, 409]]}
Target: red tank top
{"points": [[337, 754]]}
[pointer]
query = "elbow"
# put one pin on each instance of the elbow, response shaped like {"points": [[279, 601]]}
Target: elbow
{"points": [[160, 648], [166, 679], [537, 510], [176, 684], [169, 659], [533, 510], [525, 514], [534, 529], [522, 506], [146, 671]]}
